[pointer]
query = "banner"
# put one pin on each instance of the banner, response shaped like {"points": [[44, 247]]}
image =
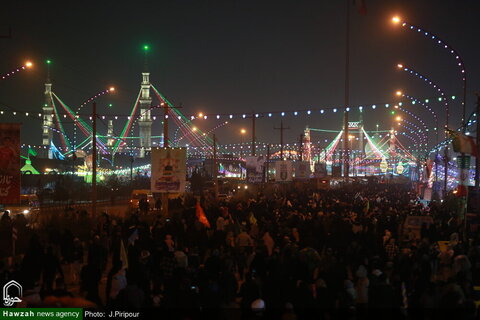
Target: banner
{"points": [[255, 167], [302, 170], [283, 171], [168, 170], [9, 163], [320, 170], [473, 200]]}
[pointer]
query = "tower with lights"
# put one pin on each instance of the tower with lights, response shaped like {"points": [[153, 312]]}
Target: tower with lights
{"points": [[145, 121], [47, 133]]}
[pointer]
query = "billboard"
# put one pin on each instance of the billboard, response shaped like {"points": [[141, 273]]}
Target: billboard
{"points": [[168, 170], [302, 170], [283, 171], [9, 163], [255, 166]]}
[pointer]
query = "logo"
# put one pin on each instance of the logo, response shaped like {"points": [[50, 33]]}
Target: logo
{"points": [[15, 289]]}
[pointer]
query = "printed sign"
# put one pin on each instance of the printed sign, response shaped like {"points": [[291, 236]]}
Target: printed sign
{"points": [[302, 170], [255, 167], [9, 163], [283, 171], [168, 170]]}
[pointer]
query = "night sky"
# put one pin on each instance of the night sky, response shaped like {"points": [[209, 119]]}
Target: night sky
{"points": [[237, 56]]}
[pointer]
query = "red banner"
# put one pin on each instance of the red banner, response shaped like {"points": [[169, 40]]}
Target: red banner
{"points": [[9, 163]]}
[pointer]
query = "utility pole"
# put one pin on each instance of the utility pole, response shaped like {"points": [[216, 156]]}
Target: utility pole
{"points": [[281, 137], [346, 156], [215, 170], [477, 159], [165, 145], [165, 125], [253, 134], [131, 171], [347, 92], [94, 160], [301, 146], [267, 163]]}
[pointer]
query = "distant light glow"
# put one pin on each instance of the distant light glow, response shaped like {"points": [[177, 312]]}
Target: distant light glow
{"points": [[396, 20]]}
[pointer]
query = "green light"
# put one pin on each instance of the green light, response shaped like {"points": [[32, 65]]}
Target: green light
{"points": [[392, 112], [426, 100], [440, 99], [453, 97], [146, 47], [49, 61], [110, 105]]}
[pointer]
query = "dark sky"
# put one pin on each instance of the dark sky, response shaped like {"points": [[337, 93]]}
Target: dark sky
{"points": [[236, 56]]}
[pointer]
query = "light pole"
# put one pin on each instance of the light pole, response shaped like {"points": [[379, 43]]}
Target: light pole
{"points": [[444, 45], [396, 20], [26, 66], [443, 98], [242, 134], [94, 159]]}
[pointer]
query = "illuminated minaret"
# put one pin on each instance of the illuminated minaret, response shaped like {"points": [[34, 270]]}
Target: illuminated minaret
{"points": [[307, 147], [145, 121], [47, 133], [111, 140]]}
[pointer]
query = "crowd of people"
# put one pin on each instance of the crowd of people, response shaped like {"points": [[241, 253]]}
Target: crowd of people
{"points": [[292, 253]]}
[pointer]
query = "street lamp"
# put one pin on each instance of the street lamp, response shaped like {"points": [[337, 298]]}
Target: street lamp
{"points": [[27, 65], [447, 114]]}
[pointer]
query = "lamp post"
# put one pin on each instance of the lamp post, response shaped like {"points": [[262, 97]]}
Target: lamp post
{"points": [[398, 21], [447, 114], [94, 159], [26, 66], [242, 134]]}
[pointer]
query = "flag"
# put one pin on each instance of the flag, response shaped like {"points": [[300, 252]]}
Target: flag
{"points": [[367, 207], [252, 218], [463, 143], [32, 152], [361, 7], [201, 215], [428, 168], [133, 237], [123, 255]]}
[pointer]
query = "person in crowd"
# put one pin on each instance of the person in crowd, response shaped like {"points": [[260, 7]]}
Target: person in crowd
{"points": [[292, 253]]}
